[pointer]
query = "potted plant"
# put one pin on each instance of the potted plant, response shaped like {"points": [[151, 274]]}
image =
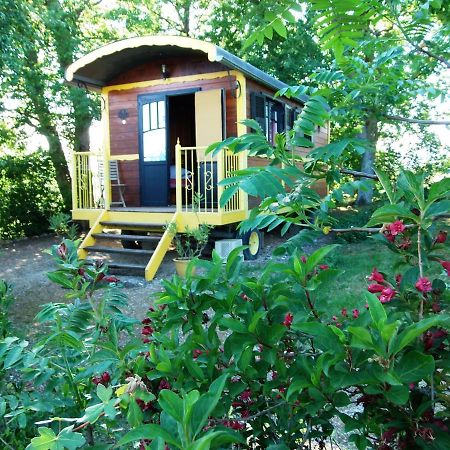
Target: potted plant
{"points": [[188, 245]]}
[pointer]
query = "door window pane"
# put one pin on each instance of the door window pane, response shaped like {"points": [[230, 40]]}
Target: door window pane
{"points": [[162, 114], [145, 117], [153, 115], [154, 145]]}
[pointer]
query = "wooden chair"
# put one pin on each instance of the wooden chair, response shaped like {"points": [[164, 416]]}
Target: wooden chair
{"points": [[114, 177]]}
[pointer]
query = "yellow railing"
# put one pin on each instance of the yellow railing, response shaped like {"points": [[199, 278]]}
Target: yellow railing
{"points": [[198, 176], [82, 181], [91, 188]]}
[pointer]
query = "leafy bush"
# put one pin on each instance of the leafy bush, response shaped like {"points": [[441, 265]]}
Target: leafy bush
{"points": [[28, 195]]}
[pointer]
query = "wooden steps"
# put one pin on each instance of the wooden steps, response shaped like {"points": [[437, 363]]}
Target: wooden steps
{"points": [[143, 251], [128, 237]]}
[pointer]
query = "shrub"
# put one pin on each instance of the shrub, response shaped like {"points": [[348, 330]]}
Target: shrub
{"points": [[28, 195]]}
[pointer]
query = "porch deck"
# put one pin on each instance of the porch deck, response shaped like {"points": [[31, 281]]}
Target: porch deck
{"points": [[198, 192]]}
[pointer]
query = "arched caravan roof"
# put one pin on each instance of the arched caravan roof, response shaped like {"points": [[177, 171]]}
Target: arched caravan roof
{"points": [[101, 65]]}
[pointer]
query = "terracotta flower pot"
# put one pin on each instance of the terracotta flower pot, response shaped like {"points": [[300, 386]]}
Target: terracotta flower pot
{"points": [[181, 266]]}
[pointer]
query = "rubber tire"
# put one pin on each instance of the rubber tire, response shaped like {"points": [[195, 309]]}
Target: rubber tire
{"points": [[131, 245], [254, 239]]}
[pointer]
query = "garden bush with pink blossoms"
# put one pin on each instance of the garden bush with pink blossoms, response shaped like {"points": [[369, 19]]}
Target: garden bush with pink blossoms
{"points": [[225, 359]]}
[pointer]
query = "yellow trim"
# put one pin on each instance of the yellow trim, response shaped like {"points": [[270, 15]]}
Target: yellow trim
{"points": [[114, 47], [160, 251], [106, 150], [169, 81], [86, 214], [130, 157]]}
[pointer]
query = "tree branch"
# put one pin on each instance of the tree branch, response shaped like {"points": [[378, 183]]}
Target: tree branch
{"points": [[418, 121], [359, 174]]}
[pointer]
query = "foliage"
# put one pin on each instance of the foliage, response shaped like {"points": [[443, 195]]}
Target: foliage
{"points": [[28, 195], [78, 349], [6, 299], [63, 226], [191, 243]]}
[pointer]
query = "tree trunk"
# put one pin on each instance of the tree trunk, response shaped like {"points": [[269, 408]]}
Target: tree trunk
{"points": [[61, 170], [370, 133]]}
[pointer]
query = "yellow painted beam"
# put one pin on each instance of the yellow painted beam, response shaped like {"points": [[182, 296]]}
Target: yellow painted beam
{"points": [[169, 81], [86, 214], [160, 251], [131, 157]]}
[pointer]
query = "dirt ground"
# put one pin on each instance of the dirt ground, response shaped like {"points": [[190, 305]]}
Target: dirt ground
{"points": [[24, 265]]}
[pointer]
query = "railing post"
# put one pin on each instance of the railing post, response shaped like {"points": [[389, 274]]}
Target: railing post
{"points": [[178, 175], [220, 176], [74, 181]]}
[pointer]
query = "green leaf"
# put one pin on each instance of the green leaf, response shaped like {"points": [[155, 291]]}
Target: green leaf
{"points": [[134, 414], [314, 259], [206, 404], [279, 27], [376, 309], [104, 393], [171, 404], [361, 337], [398, 395], [412, 332], [389, 213], [386, 183], [414, 366], [149, 431], [92, 413], [47, 440], [233, 324]]}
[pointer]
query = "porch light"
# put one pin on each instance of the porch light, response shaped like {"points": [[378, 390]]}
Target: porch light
{"points": [[123, 115], [164, 72]]}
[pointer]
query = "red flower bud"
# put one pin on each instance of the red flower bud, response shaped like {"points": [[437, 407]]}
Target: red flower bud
{"points": [[376, 276], [355, 313], [246, 396], [164, 384], [344, 312], [196, 353], [446, 266], [303, 259], [111, 279], [424, 285], [390, 237], [146, 331], [323, 267], [106, 378], [441, 237], [288, 319], [373, 288], [398, 279], [146, 340], [146, 321], [96, 380]]}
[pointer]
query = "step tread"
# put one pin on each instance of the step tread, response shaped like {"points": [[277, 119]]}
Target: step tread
{"points": [[126, 266], [125, 225], [104, 249], [127, 237]]}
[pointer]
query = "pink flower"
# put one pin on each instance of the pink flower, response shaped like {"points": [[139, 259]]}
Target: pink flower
{"points": [[344, 312], [288, 319], [376, 276], [323, 267], [196, 353], [396, 227], [355, 313], [387, 295], [441, 237], [106, 377], [446, 266], [373, 288], [404, 244], [424, 285]]}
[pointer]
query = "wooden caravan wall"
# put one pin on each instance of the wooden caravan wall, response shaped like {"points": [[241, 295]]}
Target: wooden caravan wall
{"points": [[319, 139], [124, 138]]}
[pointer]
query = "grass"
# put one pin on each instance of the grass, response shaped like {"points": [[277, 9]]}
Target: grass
{"points": [[357, 261]]}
